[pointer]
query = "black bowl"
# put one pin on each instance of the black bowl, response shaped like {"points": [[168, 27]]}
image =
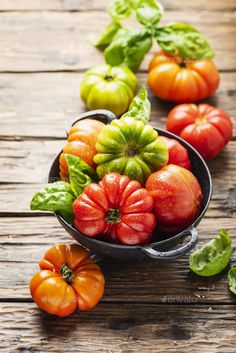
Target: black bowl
{"points": [[163, 248]]}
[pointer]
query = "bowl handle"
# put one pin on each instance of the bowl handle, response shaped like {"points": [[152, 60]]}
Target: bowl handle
{"points": [[172, 254], [103, 115]]}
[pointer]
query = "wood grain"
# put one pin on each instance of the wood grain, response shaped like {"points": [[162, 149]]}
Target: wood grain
{"points": [[39, 104], [52, 41], [130, 328], [23, 242], [84, 5]]}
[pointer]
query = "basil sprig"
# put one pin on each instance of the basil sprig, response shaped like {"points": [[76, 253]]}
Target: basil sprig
{"points": [[213, 257], [149, 12], [107, 35], [59, 196], [184, 41], [129, 47], [140, 107]]}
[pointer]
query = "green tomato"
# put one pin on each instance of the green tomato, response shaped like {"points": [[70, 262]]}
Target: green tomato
{"points": [[130, 147], [213, 257], [107, 87]]}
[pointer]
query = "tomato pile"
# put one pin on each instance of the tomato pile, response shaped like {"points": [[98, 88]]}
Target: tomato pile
{"points": [[122, 182]]}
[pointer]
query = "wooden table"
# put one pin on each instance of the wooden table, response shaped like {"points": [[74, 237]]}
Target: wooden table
{"points": [[149, 306]]}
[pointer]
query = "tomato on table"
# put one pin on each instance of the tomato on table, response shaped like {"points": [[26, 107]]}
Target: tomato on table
{"points": [[117, 208], [177, 197], [174, 80], [178, 154], [206, 128], [107, 87], [68, 280]]}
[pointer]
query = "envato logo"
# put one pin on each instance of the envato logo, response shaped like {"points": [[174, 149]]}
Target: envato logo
{"points": [[179, 300], [57, 59]]}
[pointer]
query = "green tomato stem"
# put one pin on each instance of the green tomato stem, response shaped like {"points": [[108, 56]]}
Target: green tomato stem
{"points": [[113, 215], [66, 273]]}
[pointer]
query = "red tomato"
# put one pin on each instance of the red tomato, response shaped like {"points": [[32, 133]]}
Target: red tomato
{"points": [[171, 79], [117, 208], [177, 196], [178, 154], [206, 128]]}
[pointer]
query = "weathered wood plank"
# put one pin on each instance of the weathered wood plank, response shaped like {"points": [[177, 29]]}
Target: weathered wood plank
{"points": [[50, 98], [29, 161], [52, 41], [84, 5], [131, 328], [23, 242], [222, 204]]}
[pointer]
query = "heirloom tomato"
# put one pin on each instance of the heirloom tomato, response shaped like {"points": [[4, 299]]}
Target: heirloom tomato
{"points": [[177, 197], [206, 128], [107, 87], [81, 143], [176, 81], [130, 147], [68, 279], [178, 154], [116, 208]]}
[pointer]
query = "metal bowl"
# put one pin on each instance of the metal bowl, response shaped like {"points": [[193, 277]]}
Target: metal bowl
{"points": [[163, 248]]}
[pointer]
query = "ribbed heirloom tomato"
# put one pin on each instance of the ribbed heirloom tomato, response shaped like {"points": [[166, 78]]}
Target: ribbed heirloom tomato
{"points": [[116, 208], [206, 128], [177, 197], [176, 81], [130, 147], [107, 87], [68, 279], [178, 154], [81, 142]]}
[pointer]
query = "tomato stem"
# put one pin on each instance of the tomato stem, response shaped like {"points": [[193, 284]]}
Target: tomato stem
{"points": [[131, 151], [66, 273], [108, 78], [201, 120], [113, 215]]}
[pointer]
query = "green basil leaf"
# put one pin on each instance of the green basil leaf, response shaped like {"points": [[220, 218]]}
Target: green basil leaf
{"points": [[182, 40], [140, 107], [129, 48], [107, 35], [80, 173], [232, 279], [138, 45], [149, 12], [55, 197], [213, 257], [114, 53], [120, 9]]}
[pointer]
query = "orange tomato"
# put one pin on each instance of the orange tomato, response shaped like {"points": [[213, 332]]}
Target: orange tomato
{"points": [[81, 142], [68, 279], [176, 81]]}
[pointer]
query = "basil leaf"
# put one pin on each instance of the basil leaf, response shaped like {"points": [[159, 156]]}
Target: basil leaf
{"points": [[78, 171], [128, 47], [107, 35], [140, 106], [120, 9], [149, 12], [213, 257], [55, 197], [182, 40], [232, 279]]}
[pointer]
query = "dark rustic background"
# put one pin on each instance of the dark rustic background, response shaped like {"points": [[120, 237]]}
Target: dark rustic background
{"points": [[148, 307]]}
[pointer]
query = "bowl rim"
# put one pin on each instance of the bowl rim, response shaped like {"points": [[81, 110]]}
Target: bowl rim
{"points": [[168, 134]]}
